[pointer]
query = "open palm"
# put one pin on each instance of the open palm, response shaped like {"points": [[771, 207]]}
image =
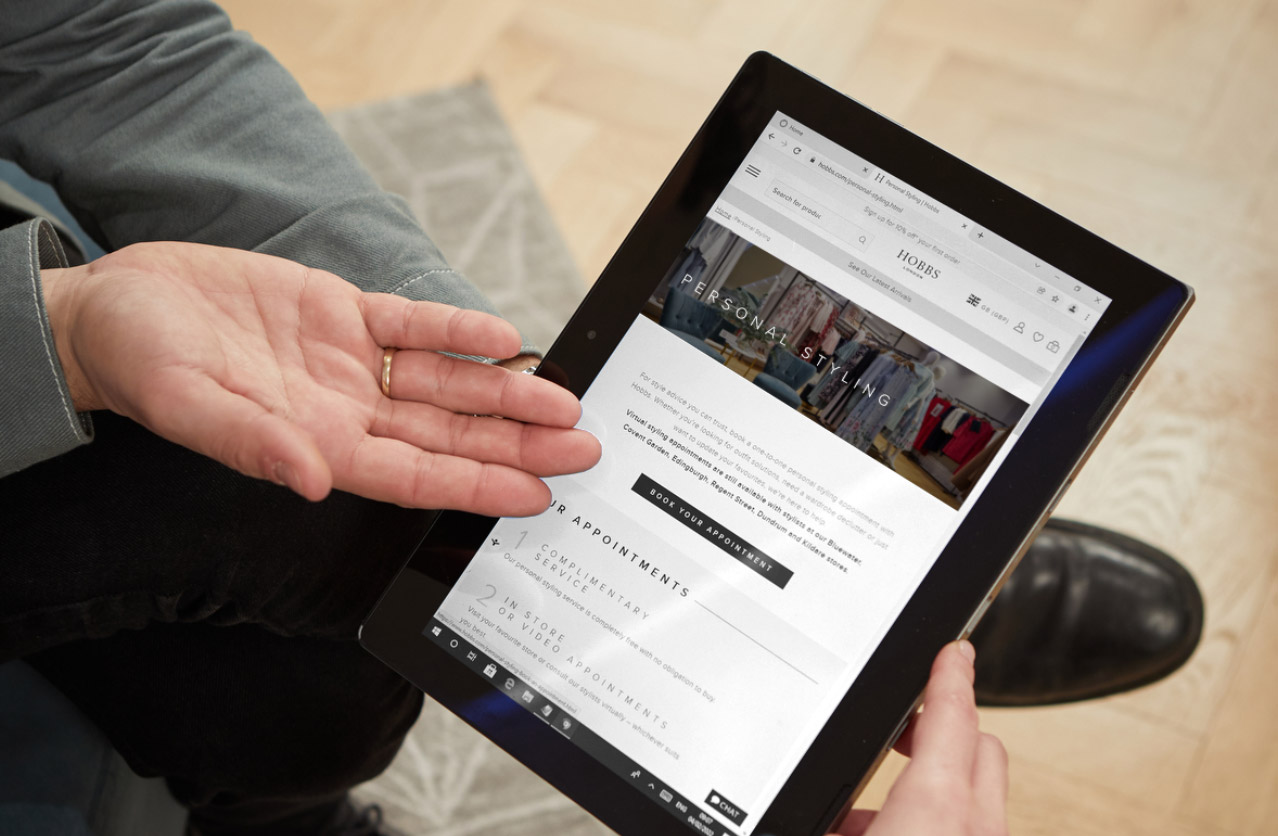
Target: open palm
{"points": [[274, 370]]}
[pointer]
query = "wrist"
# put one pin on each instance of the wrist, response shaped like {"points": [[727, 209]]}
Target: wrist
{"points": [[59, 287]]}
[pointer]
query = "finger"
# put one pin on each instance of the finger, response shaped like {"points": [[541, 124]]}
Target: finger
{"points": [[533, 448], [393, 321], [390, 470], [989, 786], [478, 388], [197, 412], [856, 822], [945, 735]]}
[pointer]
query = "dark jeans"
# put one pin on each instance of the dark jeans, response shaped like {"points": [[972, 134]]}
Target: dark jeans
{"points": [[207, 622]]}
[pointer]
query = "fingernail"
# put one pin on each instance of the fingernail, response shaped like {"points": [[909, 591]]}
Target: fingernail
{"points": [[968, 651], [286, 476]]}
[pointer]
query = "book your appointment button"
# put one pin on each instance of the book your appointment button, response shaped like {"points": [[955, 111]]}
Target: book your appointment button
{"points": [[712, 532]]}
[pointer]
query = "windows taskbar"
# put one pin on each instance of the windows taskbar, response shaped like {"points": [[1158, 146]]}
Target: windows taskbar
{"points": [[529, 698]]}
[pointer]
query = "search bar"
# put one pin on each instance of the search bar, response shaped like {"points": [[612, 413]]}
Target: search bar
{"points": [[800, 204]]}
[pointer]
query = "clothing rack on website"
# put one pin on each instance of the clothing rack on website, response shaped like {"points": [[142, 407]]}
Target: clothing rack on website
{"points": [[979, 413], [878, 342], [835, 299], [829, 294]]}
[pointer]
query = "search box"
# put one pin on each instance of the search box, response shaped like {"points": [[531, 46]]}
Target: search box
{"points": [[815, 213]]}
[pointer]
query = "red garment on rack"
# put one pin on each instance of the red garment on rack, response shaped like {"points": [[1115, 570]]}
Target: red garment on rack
{"points": [[967, 442], [935, 410]]}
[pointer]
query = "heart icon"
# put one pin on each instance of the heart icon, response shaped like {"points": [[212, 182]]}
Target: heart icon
{"points": [[1038, 336]]}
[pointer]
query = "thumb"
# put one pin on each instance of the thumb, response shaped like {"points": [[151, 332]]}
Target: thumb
{"points": [[240, 433]]}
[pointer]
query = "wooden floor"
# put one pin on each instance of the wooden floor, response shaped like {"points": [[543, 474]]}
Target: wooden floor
{"points": [[1152, 122]]}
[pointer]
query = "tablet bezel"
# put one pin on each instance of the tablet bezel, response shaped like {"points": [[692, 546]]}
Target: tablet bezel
{"points": [[1147, 304]]}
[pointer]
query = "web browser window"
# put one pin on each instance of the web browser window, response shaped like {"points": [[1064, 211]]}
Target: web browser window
{"points": [[823, 381]]}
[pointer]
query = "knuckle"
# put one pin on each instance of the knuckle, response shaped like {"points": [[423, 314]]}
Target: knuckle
{"points": [[424, 480], [454, 324], [527, 444], [383, 419], [443, 369], [963, 706], [458, 428], [480, 487], [406, 321], [508, 392]]}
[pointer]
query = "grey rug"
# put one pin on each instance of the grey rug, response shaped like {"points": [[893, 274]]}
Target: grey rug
{"points": [[450, 154]]}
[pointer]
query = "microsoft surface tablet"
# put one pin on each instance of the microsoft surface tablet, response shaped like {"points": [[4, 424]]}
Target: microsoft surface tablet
{"points": [[840, 378]]}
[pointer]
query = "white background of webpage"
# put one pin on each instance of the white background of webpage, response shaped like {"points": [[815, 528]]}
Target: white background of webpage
{"points": [[747, 743]]}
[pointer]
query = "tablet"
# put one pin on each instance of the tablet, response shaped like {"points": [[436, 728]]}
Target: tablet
{"points": [[840, 378]]}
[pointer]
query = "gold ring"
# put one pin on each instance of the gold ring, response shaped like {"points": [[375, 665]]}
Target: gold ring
{"points": [[387, 355]]}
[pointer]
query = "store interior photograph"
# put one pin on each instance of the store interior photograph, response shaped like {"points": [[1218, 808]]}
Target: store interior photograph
{"points": [[930, 419]]}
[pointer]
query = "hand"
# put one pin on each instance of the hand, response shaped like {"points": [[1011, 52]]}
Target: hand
{"points": [[275, 370], [956, 781]]}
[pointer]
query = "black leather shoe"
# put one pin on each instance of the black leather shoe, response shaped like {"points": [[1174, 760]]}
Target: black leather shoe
{"points": [[356, 821], [1087, 613]]}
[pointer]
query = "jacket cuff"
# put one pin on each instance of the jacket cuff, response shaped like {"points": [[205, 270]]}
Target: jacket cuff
{"points": [[37, 418]]}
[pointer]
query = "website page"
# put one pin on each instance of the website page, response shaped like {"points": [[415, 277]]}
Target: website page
{"points": [[814, 395]]}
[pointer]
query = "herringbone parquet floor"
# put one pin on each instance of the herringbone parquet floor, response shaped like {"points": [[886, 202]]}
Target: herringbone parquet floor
{"points": [[1152, 122]]}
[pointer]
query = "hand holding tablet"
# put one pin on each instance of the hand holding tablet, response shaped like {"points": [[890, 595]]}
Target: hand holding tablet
{"points": [[956, 781], [840, 379]]}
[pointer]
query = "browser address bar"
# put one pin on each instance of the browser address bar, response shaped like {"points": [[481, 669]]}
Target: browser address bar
{"points": [[968, 294], [799, 204]]}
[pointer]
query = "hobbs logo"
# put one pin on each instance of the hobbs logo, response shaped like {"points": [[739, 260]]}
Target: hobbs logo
{"points": [[726, 807], [918, 264]]}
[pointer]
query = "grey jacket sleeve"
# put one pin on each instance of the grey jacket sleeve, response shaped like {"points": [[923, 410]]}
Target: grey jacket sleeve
{"points": [[157, 121], [37, 420]]}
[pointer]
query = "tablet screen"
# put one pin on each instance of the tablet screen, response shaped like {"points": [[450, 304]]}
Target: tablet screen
{"points": [[814, 396]]}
